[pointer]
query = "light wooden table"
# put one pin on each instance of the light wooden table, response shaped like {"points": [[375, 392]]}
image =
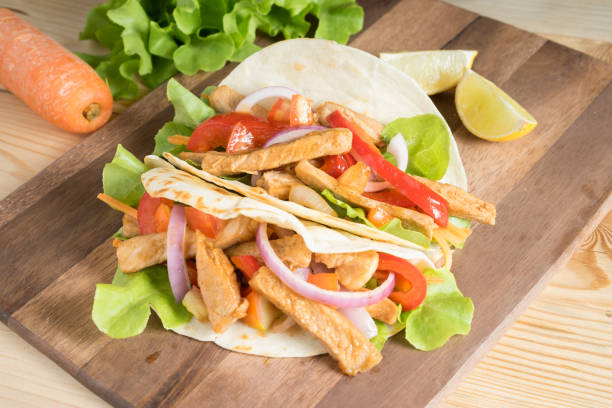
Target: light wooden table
{"points": [[558, 354]]}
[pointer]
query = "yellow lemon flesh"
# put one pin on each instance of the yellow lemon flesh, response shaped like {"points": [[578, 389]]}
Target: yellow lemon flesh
{"points": [[434, 71], [490, 113]]}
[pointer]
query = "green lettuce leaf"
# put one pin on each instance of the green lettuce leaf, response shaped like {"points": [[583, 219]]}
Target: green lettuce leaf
{"points": [[394, 227], [135, 22], [163, 69], [338, 19], [187, 16], [121, 177], [100, 28], [122, 309], [459, 222], [444, 313], [161, 41], [208, 53], [119, 71], [346, 210], [383, 334], [162, 144], [189, 110], [428, 141]]}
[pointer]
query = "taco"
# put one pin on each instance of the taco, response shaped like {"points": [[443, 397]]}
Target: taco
{"points": [[269, 269]]}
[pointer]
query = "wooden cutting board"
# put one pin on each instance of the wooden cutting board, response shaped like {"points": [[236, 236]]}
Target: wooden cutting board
{"points": [[551, 187]]}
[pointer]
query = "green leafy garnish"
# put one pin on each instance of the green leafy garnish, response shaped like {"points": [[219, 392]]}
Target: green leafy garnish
{"points": [[383, 334], [121, 177], [345, 210], [444, 313], [122, 309], [189, 112], [393, 227], [428, 141], [152, 41]]}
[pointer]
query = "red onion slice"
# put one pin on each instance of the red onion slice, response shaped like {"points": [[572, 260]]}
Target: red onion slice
{"points": [[328, 297], [287, 135], [177, 269], [362, 320], [319, 267], [255, 178], [398, 148], [263, 94]]}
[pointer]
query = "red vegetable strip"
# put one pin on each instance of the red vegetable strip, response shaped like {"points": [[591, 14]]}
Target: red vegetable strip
{"points": [[426, 199]]}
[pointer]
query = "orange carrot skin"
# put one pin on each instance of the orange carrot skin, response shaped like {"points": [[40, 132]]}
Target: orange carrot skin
{"points": [[51, 80]]}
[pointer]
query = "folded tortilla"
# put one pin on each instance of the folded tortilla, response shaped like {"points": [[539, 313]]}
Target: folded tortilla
{"points": [[179, 186]]}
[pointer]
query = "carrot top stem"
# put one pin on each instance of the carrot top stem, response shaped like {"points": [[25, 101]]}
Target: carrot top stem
{"points": [[92, 111]]}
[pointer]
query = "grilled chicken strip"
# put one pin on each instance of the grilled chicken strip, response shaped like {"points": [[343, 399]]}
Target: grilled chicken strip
{"points": [[278, 183], [225, 100], [461, 203], [354, 352], [292, 250], [130, 226], [371, 127], [315, 144], [385, 311], [143, 251], [354, 269], [320, 180], [219, 285], [239, 229]]}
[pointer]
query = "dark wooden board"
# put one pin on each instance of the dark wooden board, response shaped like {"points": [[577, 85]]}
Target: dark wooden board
{"points": [[551, 188]]}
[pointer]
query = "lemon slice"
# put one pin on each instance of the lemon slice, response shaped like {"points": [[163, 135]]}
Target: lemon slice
{"points": [[488, 112], [434, 71]]}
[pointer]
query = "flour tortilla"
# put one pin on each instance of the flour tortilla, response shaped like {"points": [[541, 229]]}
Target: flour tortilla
{"points": [[179, 186]]}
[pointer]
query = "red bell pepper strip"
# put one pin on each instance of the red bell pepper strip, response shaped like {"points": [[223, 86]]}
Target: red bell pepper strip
{"points": [[390, 196], [405, 271], [337, 164], [426, 199], [247, 264]]}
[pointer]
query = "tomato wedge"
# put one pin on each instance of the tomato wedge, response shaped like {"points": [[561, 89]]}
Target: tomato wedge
{"points": [[279, 112], [410, 281], [390, 196], [208, 224], [240, 139], [216, 131], [153, 214], [300, 111], [247, 264], [430, 202], [337, 164]]}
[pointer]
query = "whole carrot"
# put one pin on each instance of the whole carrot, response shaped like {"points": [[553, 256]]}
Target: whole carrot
{"points": [[55, 83]]}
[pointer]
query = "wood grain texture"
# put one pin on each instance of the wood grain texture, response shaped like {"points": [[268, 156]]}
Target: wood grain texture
{"points": [[42, 320]]}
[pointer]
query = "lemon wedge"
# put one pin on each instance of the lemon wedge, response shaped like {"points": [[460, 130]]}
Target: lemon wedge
{"points": [[434, 71], [490, 113]]}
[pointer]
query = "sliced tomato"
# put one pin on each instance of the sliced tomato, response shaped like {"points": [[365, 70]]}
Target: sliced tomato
{"points": [[411, 286], [208, 224], [300, 111], [327, 281], [279, 112], [152, 218], [337, 164], [390, 196], [430, 202], [379, 217], [241, 139], [216, 131], [247, 264]]}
